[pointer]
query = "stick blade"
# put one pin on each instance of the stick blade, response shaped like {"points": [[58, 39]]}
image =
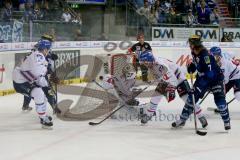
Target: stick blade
{"points": [[93, 123], [201, 133]]}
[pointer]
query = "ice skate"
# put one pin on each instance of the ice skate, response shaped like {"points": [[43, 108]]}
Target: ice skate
{"points": [[26, 108], [203, 121], [178, 124], [46, 122], [227, 126]]}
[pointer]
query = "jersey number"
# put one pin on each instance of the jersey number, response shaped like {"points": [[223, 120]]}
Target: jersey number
{"points": [[210, 67]]}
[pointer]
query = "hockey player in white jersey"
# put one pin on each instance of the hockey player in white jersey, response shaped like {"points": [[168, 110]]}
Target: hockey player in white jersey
{"points": [[29, 78], [231, 71], [170, 77]]}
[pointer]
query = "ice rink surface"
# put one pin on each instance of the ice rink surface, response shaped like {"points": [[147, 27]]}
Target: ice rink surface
{"points": [[21, 136]]}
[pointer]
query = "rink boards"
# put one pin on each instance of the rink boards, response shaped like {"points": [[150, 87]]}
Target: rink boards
{"points": [[81, 61]]}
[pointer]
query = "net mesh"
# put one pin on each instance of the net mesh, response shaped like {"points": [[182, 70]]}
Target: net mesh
{"points": [[119, 61]]}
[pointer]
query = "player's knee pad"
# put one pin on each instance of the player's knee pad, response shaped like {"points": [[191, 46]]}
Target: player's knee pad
{"points": [[237, 95], [38, 95], [183, 88]]}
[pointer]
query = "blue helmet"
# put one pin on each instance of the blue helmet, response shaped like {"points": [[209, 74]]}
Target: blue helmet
{"points": [[146, 56], [44, 44], [216, 51]]}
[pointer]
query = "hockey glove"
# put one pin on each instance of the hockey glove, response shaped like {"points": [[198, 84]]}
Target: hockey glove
{"points": [[170, 96], [54, 57], [170, 92], [53, 78], [191, 68]]}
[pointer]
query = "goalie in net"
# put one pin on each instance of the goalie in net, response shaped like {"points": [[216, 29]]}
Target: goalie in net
{"points": [[122, 82]]}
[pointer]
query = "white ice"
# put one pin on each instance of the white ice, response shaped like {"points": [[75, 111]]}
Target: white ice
{"points": [[21, 137]]}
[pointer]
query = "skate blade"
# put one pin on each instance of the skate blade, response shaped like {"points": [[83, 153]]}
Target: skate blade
{"points": [[47, 127], [26, 111]]}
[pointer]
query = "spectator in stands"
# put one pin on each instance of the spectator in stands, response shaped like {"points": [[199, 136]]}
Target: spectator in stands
{"points": [[152, 16], [66, 16], [138, 3], [203, 13], [211, 4], [46, 12], [37, 13], [151, 2], [214, 17], [172, 15], [29, 12], [188, 4], [190, 19], [77, 19], [226, 38], [22, 5], [6, 14], [145, 10], [78, 35]]}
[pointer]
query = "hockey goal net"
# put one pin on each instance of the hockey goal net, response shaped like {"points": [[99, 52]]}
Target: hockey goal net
{"points": [[94, 100], [119, 61]]}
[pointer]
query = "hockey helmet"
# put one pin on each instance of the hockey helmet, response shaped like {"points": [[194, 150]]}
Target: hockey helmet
{"points": [[195, 40], [44, 44], [216, 51], [146, 56]]}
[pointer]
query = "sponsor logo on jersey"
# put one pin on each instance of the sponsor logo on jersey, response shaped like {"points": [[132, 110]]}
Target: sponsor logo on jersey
{"points": [[207, 59]]}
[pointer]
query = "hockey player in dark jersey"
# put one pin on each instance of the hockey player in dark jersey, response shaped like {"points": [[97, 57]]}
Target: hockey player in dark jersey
{"points": [[209, 76], [138, 48]]}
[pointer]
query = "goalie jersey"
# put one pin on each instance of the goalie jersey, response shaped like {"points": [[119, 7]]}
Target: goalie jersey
{"points": [[33, 70], [121, 84]]}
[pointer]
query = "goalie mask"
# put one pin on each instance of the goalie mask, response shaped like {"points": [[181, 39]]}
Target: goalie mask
{"points": [[128, 72]]}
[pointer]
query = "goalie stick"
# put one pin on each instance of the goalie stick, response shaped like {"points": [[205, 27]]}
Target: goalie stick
{"points": [[201, 133], [97, 123]]}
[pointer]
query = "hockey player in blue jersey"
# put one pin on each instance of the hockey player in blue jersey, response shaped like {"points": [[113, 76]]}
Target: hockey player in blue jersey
{"points": [[30, 77], [209, 76], [231, 71]]}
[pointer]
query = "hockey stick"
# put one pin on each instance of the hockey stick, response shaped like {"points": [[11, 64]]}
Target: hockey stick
{"points": [[201, 133], [97, 123], [2, 70], [204, 97], [215, 110], [55, 85]]}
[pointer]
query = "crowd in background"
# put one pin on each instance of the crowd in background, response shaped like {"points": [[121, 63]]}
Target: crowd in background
{"points": [[30, 10], [167, 11]]}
